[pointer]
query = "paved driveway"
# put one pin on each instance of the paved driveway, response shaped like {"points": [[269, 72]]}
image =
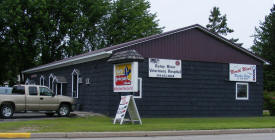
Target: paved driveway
{"points": [[27, 116], [40, 116]]}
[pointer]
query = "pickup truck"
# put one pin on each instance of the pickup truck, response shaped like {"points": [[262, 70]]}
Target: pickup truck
{"points": [[25, 98]]}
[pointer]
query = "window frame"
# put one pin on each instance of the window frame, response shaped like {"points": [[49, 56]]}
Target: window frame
{"points": [[27, 82], [75, 72], [247, 91], [51, 83], [140, 88], [43, 80]]}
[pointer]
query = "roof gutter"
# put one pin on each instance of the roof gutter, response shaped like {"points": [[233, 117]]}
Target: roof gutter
{"points": [[78, 60]]}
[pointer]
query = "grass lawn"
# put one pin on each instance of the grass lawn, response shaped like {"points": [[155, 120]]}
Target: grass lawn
{"points": [[100, 124]]}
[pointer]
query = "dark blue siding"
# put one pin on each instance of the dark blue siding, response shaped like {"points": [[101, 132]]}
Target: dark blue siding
{"points": [[203, 91]]}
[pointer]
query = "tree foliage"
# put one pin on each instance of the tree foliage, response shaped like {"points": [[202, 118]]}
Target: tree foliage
{"points": [[35, 32], [129, 20], [218, 24], [264, 46]]}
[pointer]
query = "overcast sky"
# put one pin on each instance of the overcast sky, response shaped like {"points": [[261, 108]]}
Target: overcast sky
{"points": [[242, 15]]}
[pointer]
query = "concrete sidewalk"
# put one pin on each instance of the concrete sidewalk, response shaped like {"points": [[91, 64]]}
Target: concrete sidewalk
{"points": [[134, 134]]}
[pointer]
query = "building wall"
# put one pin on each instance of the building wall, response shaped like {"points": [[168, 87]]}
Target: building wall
{"points": [[192, 45], [93, 96], [203, 91]]}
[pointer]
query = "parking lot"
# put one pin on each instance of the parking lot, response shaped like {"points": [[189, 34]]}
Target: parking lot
{"points": [[40, 116]]}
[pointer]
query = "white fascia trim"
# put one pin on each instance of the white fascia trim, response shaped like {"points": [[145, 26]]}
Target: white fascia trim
{"points": [[83, 59]]}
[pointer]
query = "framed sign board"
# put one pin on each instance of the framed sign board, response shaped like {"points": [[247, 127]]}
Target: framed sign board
{"points": [[242, 72], [125, 77], [164, 68]]}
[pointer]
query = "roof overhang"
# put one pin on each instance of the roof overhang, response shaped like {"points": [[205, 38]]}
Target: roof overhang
{"points": [[73, 61]]}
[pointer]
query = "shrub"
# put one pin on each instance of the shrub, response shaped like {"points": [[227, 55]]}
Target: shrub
{"points": [[269, 102]]}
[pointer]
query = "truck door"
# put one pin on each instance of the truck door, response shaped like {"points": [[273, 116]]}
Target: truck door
{"points": [[47, 101], [32, 99]]}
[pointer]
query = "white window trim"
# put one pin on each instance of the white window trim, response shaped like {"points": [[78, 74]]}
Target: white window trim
{"points": [[77, 74], [242, 98], [140, 89], [27, 82], [51, 76], [42, 77]]}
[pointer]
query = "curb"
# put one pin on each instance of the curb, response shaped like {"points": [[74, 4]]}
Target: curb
{"points": [[133, 134], [15, 135]]}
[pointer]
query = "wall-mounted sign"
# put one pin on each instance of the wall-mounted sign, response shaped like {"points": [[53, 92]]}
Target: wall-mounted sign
{"points": [[164, 68], [126, 77], [242, 72]]}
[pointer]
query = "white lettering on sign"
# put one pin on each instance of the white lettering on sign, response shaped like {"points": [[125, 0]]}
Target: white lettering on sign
{"points": [[242, 72], [164, 68]]}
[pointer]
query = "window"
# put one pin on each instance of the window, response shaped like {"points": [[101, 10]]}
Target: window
{"points": [[242, 91], [18, 90], [42, 80], [32, 91], [139, 93], [87, 81], [45, 91], [58, 89], [51, 77], [75, 81]]}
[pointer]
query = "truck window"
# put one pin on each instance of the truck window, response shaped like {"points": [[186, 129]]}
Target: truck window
{"points": [[45, 91], [18, 90], [32, 91]]}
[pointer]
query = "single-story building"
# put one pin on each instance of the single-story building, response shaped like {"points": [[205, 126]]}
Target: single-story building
{"points": [[188, 72]]}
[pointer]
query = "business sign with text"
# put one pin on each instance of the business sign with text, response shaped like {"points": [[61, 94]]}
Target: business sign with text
{"points": [[164, 68], [242, 72], [126, 77]]}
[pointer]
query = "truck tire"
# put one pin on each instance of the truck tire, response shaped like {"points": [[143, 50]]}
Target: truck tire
{"points": [[64, 110], [6, 111]]}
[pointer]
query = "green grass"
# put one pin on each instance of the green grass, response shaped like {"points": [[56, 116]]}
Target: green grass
{"points": [[100, 124]]}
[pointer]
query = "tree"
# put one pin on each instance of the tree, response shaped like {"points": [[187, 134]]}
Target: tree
{"points": [[264, 46], [218, 24], [34, 32], [129, 20]]}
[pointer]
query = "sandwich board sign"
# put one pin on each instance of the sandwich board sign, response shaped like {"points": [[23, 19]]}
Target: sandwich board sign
{"points": [[127, 103]]}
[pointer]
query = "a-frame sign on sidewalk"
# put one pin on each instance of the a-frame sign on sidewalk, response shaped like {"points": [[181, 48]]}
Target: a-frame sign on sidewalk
{"points": [[127, 103]]}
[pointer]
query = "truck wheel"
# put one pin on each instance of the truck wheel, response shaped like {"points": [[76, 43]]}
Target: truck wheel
{"points": [[64, 110], [7, 111]]}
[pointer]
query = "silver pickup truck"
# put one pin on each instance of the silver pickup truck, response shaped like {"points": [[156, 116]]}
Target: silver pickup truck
{"points": [[34, 98]]}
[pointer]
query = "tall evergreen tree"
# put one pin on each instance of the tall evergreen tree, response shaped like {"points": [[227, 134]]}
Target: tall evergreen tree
{"points": [[218, 24], [264, 46], [129, 20]]}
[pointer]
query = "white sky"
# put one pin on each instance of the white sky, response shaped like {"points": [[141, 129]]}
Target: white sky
{"points": [[242, 15]]}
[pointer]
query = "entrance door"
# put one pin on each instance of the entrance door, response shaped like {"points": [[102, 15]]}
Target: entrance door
{"points": [[47, 100]]}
